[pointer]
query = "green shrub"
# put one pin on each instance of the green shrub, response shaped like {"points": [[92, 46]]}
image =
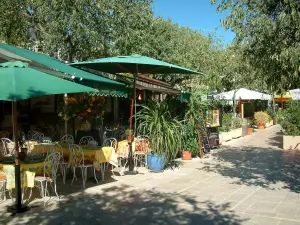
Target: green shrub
{"points": [[289, 119], [236, 123], [190, 139], [226, 122]]}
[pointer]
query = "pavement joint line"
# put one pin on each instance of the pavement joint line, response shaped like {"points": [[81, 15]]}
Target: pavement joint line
{"points": [[246, 199], [196, 184], [274, 217], [229, 195]]}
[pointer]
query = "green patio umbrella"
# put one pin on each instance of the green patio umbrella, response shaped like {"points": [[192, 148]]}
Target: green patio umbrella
{"points": [[19, 82], [135, 65], [52, 66]]}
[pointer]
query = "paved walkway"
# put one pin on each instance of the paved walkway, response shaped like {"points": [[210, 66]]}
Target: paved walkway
{"points": [[248, 181]]}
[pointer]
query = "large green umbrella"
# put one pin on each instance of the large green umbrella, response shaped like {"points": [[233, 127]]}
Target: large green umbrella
{"points": [[19, 82], [49, 65], [135, 65]]}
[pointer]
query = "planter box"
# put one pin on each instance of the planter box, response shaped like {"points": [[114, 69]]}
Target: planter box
{"points": [[290, 142], [236, 133], [225, 136]]}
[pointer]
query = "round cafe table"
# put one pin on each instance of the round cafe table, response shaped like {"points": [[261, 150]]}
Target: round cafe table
{"points": [[28, 171]]}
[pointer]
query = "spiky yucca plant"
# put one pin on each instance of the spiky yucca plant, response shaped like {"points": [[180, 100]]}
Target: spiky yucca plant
{"points": [[155, 120]]}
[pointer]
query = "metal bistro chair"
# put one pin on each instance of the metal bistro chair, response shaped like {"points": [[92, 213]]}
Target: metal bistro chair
{"points": [[63, 162], [141, 149], [46, 140], [86, 140], [31, 133], [77, 161], [38, 137], [2, 188], [49, 175], [68, 139], [7, 146], [110, 142]]}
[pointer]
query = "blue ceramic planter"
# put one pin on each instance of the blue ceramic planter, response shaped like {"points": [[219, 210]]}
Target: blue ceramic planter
{"points": [[156, 162]]}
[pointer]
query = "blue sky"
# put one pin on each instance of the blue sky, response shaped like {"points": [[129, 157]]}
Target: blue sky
{"points": [[196, 14]]}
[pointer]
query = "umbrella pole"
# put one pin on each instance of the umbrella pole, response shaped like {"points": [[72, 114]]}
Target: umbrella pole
{"points": [[131, 135], [18, 207]]}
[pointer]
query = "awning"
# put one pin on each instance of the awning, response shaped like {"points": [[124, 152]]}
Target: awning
{"points": [[184, 96], [43, 62]]}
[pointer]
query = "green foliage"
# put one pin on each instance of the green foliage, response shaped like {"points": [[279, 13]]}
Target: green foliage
{"points": [[269, 34], [290, 119], [261, 118], [164, 131], [236, 123], [226, 122], [190, 139]]}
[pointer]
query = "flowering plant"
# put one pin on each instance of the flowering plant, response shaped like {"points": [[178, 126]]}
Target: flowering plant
{"points": [[82, 108]]}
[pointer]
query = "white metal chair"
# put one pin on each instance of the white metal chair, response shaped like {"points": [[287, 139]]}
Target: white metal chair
{"points": [[38, 136], [77, 161], [63, 162], [120, 135], [7, 146], [86, 140], [110, 142], [2, 188], [68, 139], [31, 133], [49, 175]]}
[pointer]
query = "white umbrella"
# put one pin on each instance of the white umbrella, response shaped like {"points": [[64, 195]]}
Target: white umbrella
{"points": [[243, 94], [295, 94]]}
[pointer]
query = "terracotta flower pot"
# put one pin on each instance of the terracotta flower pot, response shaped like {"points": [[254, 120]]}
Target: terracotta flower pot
{"points": [[186, 155], [261, 126], [249, 131]]}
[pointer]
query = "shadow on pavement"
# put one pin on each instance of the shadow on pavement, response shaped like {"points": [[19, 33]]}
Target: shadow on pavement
{"points": [[256, 166], [125, 205]]}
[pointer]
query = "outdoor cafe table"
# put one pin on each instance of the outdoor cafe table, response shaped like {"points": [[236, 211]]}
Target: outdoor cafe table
{"points": [[28, 171], [91, 153]]}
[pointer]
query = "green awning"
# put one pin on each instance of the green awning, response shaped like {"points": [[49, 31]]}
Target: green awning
{"points": [[19, 82], [104, 85]]}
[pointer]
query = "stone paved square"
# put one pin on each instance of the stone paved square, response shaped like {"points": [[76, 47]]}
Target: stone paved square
{"points": [[246, 181]]}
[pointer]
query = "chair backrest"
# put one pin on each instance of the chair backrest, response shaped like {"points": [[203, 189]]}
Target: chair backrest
{"points": [[143, 137], [120, 135], [38, 136], [51, 164], [69, 139], [77, 156], [31, 133], [142, 144], [7, 146], [110, 142], [86, 140], [58, 148]]}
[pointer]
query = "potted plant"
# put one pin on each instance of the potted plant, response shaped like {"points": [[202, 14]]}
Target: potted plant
{"points": [[236, 127], [261, 118], [190, 142], [155, 121], [250, 127]]}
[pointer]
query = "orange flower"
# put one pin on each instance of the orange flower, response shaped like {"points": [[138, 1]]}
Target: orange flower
{"points": [[89, 110]]}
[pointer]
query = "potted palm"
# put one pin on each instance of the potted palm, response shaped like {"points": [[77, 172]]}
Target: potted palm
{"points": [[250, 127], [261, 118], [190, 142], [155, 121]]}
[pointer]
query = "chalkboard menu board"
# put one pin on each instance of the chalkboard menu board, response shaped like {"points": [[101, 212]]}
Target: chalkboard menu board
{"points": [[206, 145]]}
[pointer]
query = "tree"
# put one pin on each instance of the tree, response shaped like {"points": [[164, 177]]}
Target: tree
{"points": [[269, 32], [14, 24]]}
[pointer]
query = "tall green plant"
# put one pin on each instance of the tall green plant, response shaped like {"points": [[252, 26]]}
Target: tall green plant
{"points": [[290, 119], [190, 139], [155, 120]]}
